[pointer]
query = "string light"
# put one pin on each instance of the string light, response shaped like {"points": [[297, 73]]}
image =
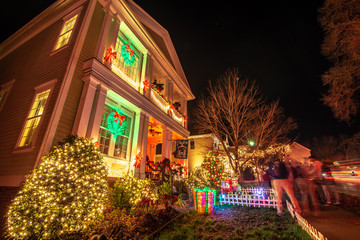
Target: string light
{"points": [[63, 195]]}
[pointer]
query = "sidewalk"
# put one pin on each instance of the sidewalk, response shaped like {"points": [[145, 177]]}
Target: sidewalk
{"points": [[336, 223]]}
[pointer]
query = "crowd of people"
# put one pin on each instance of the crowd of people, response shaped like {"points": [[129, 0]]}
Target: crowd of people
{"points": [[307, 185]]}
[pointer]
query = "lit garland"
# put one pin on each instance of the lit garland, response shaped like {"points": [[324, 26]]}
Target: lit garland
{"points": [[62, 196]]}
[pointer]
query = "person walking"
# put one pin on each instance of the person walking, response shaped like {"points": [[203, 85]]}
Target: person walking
{"points": [[329, 185], [279, 180]]}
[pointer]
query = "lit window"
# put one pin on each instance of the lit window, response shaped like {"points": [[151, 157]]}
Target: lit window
{"points": [[128, 69], [33, 119], [115, 145], [66, 32]]}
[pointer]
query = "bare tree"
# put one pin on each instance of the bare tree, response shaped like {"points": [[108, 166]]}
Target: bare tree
{"points": [[340, 20], [235, 108]]}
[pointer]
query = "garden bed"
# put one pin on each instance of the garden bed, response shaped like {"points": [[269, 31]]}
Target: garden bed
{"points": [[234, 222]]}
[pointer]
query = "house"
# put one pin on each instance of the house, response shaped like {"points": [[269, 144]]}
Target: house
{"points": [[199, 146], [101, 69]]}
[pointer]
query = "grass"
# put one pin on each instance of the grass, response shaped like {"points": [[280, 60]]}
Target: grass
{"points": [[233, 223]]}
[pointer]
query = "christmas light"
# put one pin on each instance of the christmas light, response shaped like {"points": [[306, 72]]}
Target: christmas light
{"points": [[69, 185]]}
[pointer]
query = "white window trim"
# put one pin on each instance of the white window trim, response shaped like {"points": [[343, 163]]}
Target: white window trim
{"points": [[67, 17], [7, 85], [43, 87]]}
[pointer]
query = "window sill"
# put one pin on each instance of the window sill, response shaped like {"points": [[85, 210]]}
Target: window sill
{"points": [[23, 150]]}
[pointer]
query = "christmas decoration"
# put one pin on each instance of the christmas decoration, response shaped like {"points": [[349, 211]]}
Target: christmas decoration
{"points": [[215, 167], [116, 123], [138, 159], [145, 85], [110, 55], [62, 196], [127, 52], [204, 199]]}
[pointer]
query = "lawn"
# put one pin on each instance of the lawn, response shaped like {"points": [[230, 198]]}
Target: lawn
{"points": [[233, 222]]}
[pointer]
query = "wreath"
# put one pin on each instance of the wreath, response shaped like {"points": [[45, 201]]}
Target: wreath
{"points": [[128, 53], [116, 123]]}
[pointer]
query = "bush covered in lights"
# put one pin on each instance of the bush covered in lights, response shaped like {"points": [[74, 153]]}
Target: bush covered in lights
{"points": [[129, 191], [62, 196]]}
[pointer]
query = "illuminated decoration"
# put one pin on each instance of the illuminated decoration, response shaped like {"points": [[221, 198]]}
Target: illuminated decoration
{"points": [[125, 77], [138, 159], [110, 55], [160, 101], [214, 165], [251, 143], [204, 199], [145, 85], [128, 53], [63, 196], [116, 123]]}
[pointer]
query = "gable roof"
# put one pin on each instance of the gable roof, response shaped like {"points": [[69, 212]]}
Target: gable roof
{"points": [[162, 39]]}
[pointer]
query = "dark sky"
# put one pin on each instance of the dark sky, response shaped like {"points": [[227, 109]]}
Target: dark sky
{"points": [[277, 43]]}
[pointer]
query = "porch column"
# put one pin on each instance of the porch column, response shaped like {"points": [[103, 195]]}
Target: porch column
{"points": [[85, 105], [142, 143], [166, 142], [97, 112], [148, 74], [184, 111]]}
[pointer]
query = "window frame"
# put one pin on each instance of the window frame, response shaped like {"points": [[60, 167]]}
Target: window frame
{"points": [[140, 55], [112, 140], [65, 19], [39, 89], [6, 86]]}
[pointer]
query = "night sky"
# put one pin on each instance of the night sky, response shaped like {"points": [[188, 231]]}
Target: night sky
{"points": [[276, 43]]}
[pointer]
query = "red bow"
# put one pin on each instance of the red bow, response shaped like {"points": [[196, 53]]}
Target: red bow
{"points": [[146, 85], [110, 55], [118, 117], [128, 49]]}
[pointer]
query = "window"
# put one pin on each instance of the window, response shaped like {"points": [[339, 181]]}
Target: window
{"points": [[158, 149], [128, 70], [66, 32], [116, 144], [192, 144], [33, 119], [4, 92]]}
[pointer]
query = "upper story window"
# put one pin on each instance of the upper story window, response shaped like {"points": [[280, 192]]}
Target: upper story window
{"points": [[66, 31], [128, 60], [116, 131], [35, 115], [4, 92]]}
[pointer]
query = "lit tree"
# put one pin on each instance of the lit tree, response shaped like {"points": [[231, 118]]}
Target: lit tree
{"points": [[235, 108], [63, 195], [340, 20], [214, 166]]}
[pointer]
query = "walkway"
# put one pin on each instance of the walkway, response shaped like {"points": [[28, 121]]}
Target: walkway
{"points": [[336, 223]]}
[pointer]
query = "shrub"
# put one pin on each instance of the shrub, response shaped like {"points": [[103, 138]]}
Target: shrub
{"points": [[128, 191], [63, 195]]}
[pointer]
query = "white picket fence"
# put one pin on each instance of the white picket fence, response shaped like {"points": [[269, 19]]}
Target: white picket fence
{"points": [[258, 191], [314, 234], [247, 200]]}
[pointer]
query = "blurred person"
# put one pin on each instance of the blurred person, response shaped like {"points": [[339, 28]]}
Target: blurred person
{"points": [[307, 189], [279, 180], [315, 174], [329, 185]]}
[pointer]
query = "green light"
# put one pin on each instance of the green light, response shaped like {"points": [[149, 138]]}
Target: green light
{"points": [[116, 124], [251, 143]]}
